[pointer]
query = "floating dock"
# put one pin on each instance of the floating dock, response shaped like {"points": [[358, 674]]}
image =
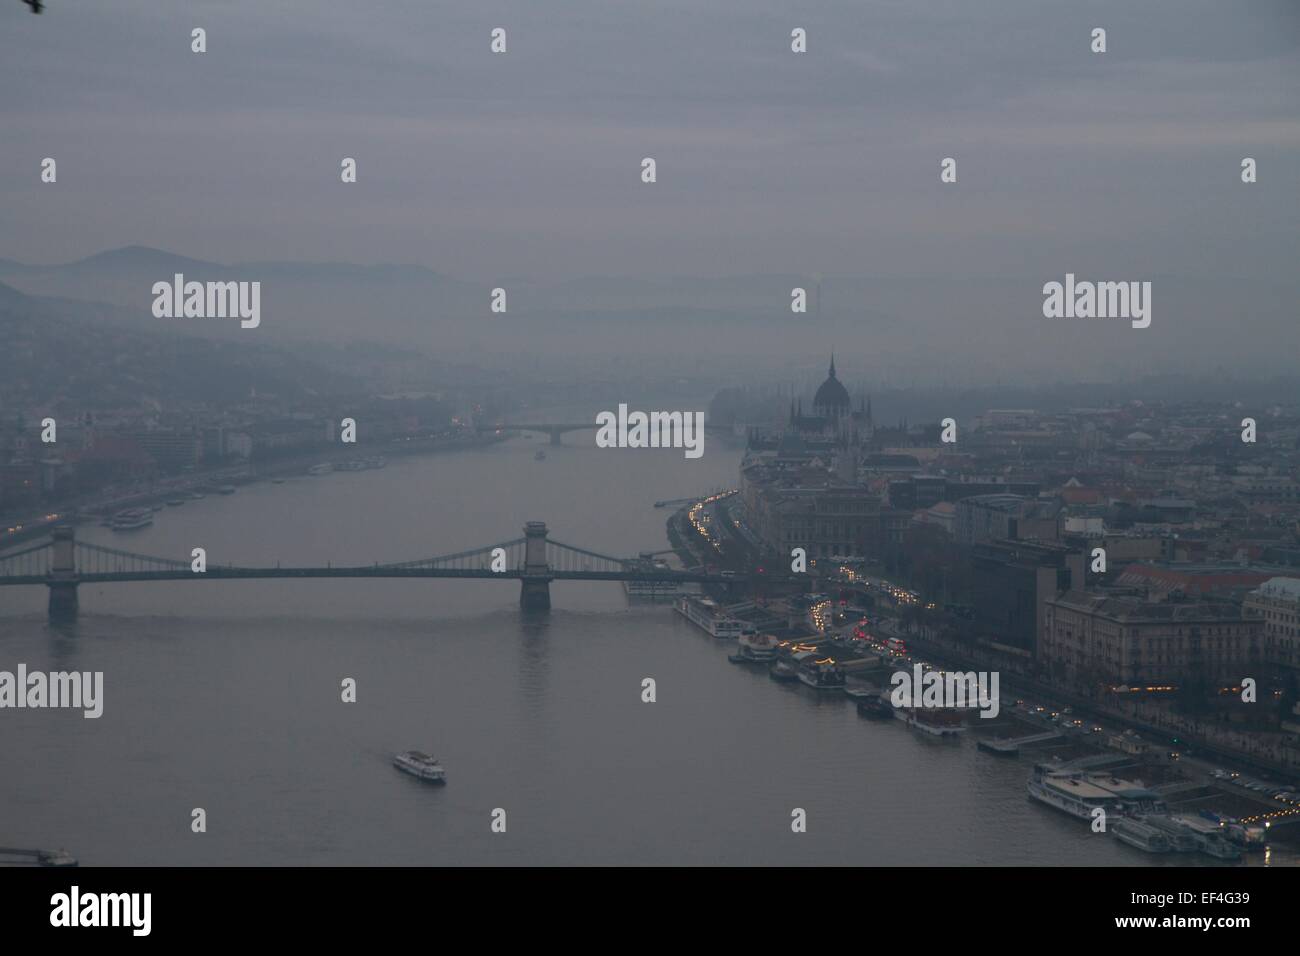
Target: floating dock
{"points": [[1010, 746]]}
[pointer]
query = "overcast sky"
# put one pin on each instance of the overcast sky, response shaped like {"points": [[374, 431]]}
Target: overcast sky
{"points": [[527, 163]]}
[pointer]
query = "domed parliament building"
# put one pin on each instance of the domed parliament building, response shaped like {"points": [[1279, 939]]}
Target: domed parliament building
{"points": [[833, 416], [801, 485]]}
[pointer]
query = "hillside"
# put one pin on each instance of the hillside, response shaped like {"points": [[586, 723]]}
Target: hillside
{"points": [[60, 355]]}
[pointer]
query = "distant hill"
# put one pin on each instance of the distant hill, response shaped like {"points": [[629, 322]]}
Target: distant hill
{"points": [[300, 300], [62, 355], [9, 296], [128, 260]]}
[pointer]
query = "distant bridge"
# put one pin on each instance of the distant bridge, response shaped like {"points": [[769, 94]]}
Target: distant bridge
{"points": [[61, 563], [555, 430]]}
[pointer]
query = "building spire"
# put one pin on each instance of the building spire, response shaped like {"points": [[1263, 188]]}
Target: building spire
{"points": [[832, 363]]}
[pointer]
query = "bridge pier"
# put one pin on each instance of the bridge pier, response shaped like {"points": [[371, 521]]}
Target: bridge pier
{"points": [[62, 580], [555, 436], [63, 602], [535, 595], [535, 586]]}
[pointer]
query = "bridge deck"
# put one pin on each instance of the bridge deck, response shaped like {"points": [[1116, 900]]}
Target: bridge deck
{"points": [[380, 571], [96, 563]]}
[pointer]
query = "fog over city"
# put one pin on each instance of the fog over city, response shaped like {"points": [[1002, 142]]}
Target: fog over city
{"points": [[774, 171], [716, 433]]}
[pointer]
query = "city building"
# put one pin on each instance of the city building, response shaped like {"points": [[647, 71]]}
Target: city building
{"points": [[985, 517], [830, 521], [1276, 602], [287, 435], [833, 415], [1230, 581], [1012, 583], [1091, 638], [174, 449]]}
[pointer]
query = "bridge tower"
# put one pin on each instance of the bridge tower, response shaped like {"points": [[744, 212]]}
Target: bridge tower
{"points": [[63, 576], [535, 586]]}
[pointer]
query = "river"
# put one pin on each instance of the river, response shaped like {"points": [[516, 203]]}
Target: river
{"points": [[226, 696]]}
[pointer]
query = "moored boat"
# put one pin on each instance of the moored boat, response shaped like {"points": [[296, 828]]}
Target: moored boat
{"points": [[1079, 793], [1180, 839], [707, 614], [1141, 835], [1210, 838], [1070, 793], [936, 721], [754, 648], [14, 856], [1248, 836], [877, 707], [783, 671], [818, 673], [132, 519]]}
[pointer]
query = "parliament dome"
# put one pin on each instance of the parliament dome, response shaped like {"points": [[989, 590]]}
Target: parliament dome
{"points": [[832, 398]]}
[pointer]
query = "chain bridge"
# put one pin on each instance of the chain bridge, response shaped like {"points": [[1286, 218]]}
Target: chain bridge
{"points": [[61, 563]]}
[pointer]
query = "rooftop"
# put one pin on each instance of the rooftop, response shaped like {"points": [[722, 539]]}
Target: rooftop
{"points": [[1127, 609], [1288, 588], [998, 502]]}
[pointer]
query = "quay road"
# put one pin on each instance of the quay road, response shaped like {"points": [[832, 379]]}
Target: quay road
{"points": [[710, 534], [736, 546], [882, 590], [1158, 737], [719, 519]]}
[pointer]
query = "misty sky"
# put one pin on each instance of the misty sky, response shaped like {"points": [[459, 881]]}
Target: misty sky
{"points": [[525, 168], [527, 164]]}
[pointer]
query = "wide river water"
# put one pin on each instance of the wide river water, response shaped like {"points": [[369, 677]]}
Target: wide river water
{"points": [[226, 696]]}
